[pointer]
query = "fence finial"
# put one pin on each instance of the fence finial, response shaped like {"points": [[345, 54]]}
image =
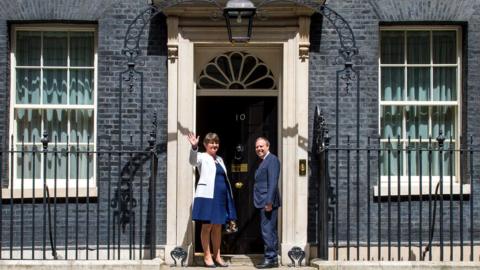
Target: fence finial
{"points": [[440, 139], [326, 138], [153, 132], [45, 140]]}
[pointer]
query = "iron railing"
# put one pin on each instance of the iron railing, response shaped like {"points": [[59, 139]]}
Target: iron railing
{"points": [[397, 200], [91, 210]]}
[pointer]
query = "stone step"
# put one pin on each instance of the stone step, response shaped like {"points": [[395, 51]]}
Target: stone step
{"points": [[234, 260], [238, 262]]}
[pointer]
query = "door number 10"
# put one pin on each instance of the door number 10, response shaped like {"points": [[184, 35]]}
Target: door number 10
{"points": [[240, 117]]}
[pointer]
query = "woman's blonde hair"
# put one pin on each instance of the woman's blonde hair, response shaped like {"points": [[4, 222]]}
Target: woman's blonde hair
{"points": [[211, 138]]}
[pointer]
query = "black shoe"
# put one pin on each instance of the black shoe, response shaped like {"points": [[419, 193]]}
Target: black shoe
{"points": [[209, 265], [267, 264], [220, 264]]}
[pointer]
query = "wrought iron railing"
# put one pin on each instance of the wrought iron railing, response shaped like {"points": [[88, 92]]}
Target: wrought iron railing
{"points": [[397, 200], [95, 209]]}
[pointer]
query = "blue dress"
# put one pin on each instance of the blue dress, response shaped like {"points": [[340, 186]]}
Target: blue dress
{"points": [[213, 211]]}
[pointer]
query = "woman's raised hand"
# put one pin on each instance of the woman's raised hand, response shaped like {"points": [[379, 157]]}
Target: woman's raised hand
{"points": [[193, 139]]}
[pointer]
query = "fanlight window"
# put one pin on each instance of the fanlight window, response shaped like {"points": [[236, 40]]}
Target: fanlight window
{"points": [[236, 70]]}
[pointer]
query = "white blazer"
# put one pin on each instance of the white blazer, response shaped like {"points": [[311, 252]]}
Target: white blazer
{"points": [[207, 169]]}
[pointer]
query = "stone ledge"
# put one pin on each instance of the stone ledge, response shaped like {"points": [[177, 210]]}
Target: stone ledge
{"points": [[347, 265], [81, 265]]}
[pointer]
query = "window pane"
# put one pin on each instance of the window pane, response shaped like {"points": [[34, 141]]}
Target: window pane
{"points": [[55, 48], [60, 158], [443, 118], [445, 84], [392, 46], [55, 122], [81, 49], [391, 122], [81, 86], [223, 64], [28, 125], [81, 162], [207, 83], [249, 63], [29, 162], [418, 47], [444, 47], [443, 159], [54, 86], [81, 126], [419, 160], [28, 48], [260, 71], [392, 83], [391, 158], [265, 83], [417, 122], [449, 159], [215, 73], [418, 84], [236, 61], [28, 86]]}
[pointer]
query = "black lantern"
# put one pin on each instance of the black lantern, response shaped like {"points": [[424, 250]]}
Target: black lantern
{"points": [[239, 16]]}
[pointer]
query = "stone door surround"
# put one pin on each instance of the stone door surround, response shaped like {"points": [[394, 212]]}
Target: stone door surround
{"points": [[192, 38]]}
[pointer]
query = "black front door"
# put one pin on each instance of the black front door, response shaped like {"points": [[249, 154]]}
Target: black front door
{"points": [[239, 121]]}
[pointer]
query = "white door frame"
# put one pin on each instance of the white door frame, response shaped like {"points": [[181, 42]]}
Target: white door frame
{"points": [[292, 41]]}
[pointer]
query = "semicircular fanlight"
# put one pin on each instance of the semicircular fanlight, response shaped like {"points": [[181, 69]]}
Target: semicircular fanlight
{"points": [[236, 70]]}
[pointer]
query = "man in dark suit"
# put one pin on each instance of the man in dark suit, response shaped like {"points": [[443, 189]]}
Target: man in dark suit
{"points": [[267, 199]]}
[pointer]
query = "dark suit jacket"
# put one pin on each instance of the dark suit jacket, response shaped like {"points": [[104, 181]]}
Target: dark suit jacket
{"points": [[266, 182]]}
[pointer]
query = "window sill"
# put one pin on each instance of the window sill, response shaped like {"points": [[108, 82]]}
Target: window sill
{"points": [[455, 189], [38, 192]]}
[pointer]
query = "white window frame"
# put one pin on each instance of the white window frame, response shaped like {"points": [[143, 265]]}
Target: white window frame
{"points": [[414, 188], [15, 186]]}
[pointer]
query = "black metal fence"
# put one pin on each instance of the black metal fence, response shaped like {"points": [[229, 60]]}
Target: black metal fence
{"points": [[78, 200], [396, 199]]}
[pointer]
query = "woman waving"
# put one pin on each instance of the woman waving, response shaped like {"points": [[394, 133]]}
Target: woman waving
{"points": [[213, 204]]}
